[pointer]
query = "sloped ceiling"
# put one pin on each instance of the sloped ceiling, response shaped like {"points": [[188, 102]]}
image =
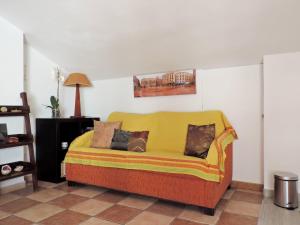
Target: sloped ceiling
{"points": [[115, 38]]}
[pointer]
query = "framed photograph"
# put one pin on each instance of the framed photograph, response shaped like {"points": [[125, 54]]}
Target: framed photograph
{"points": [[179, 82]]}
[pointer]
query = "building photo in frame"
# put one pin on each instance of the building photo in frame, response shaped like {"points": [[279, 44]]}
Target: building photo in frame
{"points": [[179, 82]]}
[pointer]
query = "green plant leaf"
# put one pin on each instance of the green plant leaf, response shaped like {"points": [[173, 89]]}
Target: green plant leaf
{"points": [[54, 102]]}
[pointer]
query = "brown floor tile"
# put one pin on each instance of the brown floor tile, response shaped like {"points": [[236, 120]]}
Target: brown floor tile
{"points": [[13, 220], [166, 208], [243, 208], [233, 219], [149, 218], [39, 212], [46, 195], [137, 201], [68, 200], [247, 197], [91, 207], [185, 222], [112, 196], [65, 218], [18, 205], [5, 198], [119, 214]]}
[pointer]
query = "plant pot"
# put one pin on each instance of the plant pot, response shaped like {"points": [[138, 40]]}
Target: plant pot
{"points": [[55, 113]]}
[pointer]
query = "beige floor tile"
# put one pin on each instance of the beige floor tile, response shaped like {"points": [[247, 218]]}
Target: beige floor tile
{"points": [[228, 194], [195, 214], [89, 191], [137, 201], [46, 195], [8, 198], [149, 218], [3, 214], [39, 212], [243, 208], [91, 207], [96, 221]]}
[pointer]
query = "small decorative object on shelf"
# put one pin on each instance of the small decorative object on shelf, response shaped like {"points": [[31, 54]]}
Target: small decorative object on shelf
{"points": [[12, 140], [16, 110], [3, 109], [5, 170], [18, 168]]}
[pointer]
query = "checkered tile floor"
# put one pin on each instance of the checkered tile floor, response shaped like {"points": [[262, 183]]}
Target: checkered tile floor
{"points": [[88, 205]]}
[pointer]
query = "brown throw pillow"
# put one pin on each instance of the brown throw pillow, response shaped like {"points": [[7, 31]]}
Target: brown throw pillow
{"points": [[137, 141], [199, 139], [134, 141], [103, 133]]}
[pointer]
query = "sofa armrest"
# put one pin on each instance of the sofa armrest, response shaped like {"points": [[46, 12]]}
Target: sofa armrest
{"points": [[83, 140]]}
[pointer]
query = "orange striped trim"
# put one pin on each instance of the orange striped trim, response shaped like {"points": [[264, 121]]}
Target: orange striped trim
{"points": [[142, 157], [218, 143], [207, 170]]}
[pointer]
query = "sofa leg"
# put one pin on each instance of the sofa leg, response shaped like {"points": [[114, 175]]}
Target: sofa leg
{"points": [[72, 184], [209, 211], [229, 187]]}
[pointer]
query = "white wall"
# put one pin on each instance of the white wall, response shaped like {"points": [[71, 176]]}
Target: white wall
{"points": [[11, 84], [282, 110], [40, 85], [236, 91]]}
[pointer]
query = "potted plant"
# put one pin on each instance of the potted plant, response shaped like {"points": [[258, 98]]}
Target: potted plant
{"points": [[54, 101], [54, 106]]}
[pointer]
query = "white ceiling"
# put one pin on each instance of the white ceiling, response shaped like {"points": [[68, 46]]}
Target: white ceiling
{"points": [[115, 38]]}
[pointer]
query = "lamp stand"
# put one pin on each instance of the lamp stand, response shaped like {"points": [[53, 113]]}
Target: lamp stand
{"points": [[77, 111]]}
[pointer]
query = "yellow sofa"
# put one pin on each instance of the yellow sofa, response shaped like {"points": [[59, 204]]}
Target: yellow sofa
{"points": [[164, 164]]}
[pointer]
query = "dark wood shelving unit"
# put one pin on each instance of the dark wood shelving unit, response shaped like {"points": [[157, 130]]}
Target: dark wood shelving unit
{"points": [[24, 140], [50, 134]]}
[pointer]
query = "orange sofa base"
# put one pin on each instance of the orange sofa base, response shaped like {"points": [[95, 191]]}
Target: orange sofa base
{"points": [[175, 187]]}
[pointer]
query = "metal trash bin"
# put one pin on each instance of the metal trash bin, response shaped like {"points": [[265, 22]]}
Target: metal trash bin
{"points": [[285, 190]]}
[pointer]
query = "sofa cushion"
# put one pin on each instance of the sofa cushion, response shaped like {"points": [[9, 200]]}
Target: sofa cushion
{"points": [[137, 141], [120, 139], [199, 139], [103, 133], [129, 140]]}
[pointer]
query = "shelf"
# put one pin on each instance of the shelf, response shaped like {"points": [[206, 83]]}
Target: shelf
{"points": [[28, 169], [24, 110], [4, 114], [23, 140]]}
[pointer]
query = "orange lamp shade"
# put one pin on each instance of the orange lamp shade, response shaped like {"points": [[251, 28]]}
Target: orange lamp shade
{"points": [[77, 79]]}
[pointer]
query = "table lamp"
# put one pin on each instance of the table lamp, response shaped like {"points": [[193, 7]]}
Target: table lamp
{"points": [[77, 79]]}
